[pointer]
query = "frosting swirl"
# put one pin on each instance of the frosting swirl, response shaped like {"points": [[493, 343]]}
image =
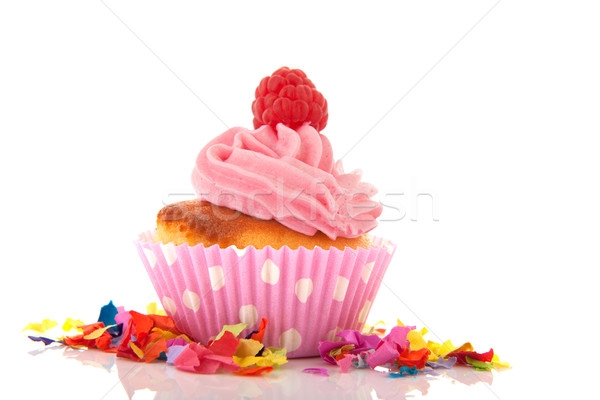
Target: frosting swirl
{"points": [[287, 175]]}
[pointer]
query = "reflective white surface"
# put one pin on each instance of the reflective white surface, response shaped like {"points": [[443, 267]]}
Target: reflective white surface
{"points": [[105, 376]]}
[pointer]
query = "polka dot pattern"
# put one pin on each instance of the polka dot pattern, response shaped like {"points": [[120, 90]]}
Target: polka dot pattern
{"points": [[150, 257], [362, 316], [270, 272], [331, 334], [169, 305], [307, 295], [248, 315], [169, 252], [191, 300], [217, 278], [340, 288], [290, 339], [303, 289]]}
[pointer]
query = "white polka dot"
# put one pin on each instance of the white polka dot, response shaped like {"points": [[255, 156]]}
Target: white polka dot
{"points": [[340, 288], [169, 305], [290, 339], [191, 300], [270, 272], [366, 272], [169, 252], [217, 279], [304, 288], [150, 256], [362, 316], [331, 334], [248, 315]]}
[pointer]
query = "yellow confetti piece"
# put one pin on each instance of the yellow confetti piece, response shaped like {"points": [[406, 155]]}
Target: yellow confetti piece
{"points": [[335, 352], [138, 352], [235, 329], [248, 347], [416, 340], [272, 361], [246, 361], [400, 323], [97, 333], [370, 330], [499, 364], [434, 347], [152, 308], [167, 335], [72, 324], [271, 357], [446, 348], [40, 327], [465, 347]]}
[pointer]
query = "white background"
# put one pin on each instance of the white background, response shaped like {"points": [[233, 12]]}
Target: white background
{"points": [[104, 106]]}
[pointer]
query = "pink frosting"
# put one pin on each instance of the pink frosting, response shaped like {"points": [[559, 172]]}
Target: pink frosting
{"points": [[287, 175]]}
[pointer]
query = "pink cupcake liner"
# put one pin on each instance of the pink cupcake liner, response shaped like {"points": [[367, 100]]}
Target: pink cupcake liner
{"points": [[306, 295]]}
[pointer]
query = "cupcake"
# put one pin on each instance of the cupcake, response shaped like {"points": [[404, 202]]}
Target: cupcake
{"points": [[278, 230]]}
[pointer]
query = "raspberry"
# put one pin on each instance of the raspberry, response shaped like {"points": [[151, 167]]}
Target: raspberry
{"points": [[288, 96]]}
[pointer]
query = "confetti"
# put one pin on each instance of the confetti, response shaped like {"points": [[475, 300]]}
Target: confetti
{"points": [[462, 355], [233, 329], [404, 371], [248, 347], [441, 363], [479, 365], [154, 337], [345, 362], [72, 324], [417, 358], [93, 335], [402, 352], [355, 339], [197, 358], [258, 334], [108, 314], [40, 327], [316, 371], [44, 340], [253, 371], [152, 308]]}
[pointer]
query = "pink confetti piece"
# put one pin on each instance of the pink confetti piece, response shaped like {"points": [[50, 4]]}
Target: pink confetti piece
{"points": [[316, 371]]}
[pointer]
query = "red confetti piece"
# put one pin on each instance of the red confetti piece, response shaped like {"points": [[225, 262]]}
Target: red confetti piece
{"points": [[197, 358], [226, 345], [261, 331], [102, 342], [461, 356], [254, 371], [147, 343], [417, 358]]}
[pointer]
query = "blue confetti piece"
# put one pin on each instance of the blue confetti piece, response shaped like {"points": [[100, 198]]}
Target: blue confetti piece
{"points": [[42, 339], [404, 371], [108, 314]]}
